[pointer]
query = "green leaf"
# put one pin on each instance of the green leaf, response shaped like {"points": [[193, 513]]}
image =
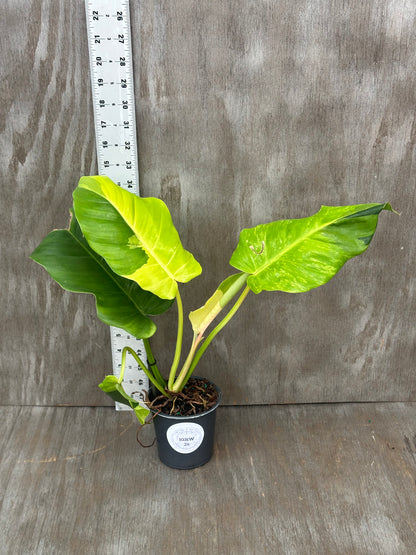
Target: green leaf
{"points": [[141, 412], [298, 255], [202, 317], [66, 256], [109, 384], [115, 390], [135, 235]]}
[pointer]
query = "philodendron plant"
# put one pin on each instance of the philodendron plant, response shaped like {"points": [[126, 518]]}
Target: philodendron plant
{"points": [[126, 251]]}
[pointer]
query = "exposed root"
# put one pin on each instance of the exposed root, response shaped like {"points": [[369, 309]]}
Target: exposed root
{"points": [[199, 395]]}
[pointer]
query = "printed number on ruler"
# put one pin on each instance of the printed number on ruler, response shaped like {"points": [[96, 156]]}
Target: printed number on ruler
{"points": [[111, 67], [108, 23]]}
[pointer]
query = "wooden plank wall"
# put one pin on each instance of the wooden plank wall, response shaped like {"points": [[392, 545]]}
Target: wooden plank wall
{"points": [[247, 112]]}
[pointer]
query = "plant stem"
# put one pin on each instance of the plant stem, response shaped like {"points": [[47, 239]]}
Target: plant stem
{"points": [[176, 386], [142, 366], [179, 337], [123, 365], [152, 363], [182, 380]]}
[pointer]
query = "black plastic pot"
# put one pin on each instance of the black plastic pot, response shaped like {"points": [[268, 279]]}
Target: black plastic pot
{"points": [[186, 442]]}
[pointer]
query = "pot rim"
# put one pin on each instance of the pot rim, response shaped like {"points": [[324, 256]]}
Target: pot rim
{"points": [[192, 416]]}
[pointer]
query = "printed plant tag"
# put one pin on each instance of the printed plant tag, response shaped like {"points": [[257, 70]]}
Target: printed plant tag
{"points": [[185, 438]]}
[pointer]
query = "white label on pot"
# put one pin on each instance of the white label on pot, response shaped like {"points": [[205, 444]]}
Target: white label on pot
{"points": [[185, 438]]}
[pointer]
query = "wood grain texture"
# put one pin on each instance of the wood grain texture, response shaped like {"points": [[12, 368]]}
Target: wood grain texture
{"points": [[47, 143], [298, 479], [247, 112], [259, 111]]}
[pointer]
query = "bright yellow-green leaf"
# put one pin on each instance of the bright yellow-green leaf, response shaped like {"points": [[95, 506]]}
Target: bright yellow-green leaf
{"points": [[135, 235], [202, 317], [298, 255]]}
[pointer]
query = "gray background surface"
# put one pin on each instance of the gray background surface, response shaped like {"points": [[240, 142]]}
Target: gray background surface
{"points": [[247, 112]]}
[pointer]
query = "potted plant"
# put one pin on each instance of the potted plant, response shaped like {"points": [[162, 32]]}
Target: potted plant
{"points": [[126, 251]]}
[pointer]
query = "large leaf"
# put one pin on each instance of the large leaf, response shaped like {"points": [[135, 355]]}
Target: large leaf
{"points": [[65, 254], [298, 255], [202, 317], [135, 235]]}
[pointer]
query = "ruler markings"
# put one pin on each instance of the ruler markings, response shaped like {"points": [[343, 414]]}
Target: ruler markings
{"points": [[111, 71]]}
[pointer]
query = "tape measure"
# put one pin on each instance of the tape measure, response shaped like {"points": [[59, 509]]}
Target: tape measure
{"points": [[111, 70]]}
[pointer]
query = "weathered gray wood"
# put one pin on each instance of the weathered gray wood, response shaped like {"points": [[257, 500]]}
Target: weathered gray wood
{"points": [[246, 112], [296, 479], [48, 354]]}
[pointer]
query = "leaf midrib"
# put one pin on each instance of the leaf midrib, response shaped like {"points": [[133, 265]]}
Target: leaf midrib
{"points": [[303, 238], [144, 243]]}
